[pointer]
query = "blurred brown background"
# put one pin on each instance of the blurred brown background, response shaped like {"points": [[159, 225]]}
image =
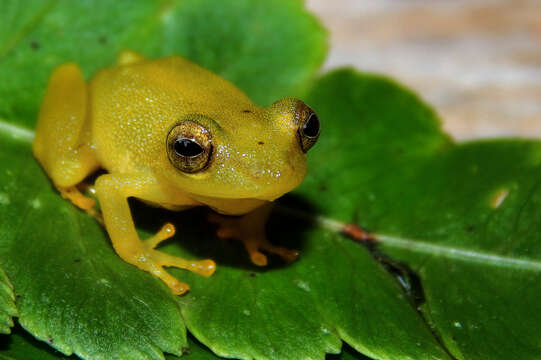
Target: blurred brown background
{"points": [[478, 62]]}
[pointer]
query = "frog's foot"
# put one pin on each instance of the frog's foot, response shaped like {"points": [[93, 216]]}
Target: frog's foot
{"points": [[76, 197], [85, 203], [154, 261], [252, 235]]}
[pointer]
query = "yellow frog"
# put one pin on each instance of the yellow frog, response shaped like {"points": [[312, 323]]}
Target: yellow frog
{"points": [[176, 135]]}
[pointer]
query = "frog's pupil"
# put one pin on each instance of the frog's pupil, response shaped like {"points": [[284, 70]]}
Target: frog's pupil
{"points": [[311, 127], [187, 147]]}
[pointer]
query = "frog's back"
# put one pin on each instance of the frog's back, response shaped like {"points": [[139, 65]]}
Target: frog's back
{"points": [[134, 106]]}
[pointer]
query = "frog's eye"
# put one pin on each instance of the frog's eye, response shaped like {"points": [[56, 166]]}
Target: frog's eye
{"points": [[189, 147], [308, 131]]}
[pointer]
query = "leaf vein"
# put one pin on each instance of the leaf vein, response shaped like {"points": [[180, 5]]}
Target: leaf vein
{"points": [[423, 247], [16, 132], [458, 253]]}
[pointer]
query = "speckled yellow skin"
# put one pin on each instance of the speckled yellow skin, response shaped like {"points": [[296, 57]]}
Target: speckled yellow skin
{"points": [[119, 121]]}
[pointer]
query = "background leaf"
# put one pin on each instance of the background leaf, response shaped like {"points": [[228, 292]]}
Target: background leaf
{"points": [[465, 218], [22, 346], [73, 292], [268, 48], [458, 220], [336, 290], [7, 304]]}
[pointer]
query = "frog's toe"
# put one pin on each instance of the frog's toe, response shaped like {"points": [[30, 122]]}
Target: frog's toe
{"points": [[167, 231], [154, 262], [76, 197], [228, 227], [252, 235], [288, 255], [258, 258], [202, 267], [177, 287]]}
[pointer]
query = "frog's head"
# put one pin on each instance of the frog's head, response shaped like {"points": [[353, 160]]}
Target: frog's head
{"points": [[244, 153]]}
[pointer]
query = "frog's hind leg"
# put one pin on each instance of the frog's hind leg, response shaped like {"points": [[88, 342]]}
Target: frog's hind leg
{"points": [[63, 139], [250, 229]]}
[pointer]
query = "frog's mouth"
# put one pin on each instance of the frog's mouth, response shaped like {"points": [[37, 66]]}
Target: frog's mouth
{"points": [[270, 184], [227, 206], [277, 191], [241, 203]]}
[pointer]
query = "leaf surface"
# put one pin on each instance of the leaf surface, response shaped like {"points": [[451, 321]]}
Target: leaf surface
{"points": [[457, 224], [270, 49], [72, 291], [335, 291], [7, 304], [20, 345], [464, 218]]}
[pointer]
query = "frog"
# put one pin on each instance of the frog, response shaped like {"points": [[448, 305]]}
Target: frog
{"points": [[170, 133]]}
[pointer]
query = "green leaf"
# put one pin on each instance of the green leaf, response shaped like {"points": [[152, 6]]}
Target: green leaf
{"points": [[22, 346], [465, 218], [73, 291], [458, 220], [336, 290], [195, 351], [269, 48], [481, 278], [7, 304]]}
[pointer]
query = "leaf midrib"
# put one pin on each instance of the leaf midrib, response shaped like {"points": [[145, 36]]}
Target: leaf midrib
{"points": [[26, 136], [456, 253], [16, 132]]}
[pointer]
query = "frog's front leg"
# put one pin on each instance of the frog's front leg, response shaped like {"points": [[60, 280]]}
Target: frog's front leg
{"points": [[250, 229], [113, 191]]}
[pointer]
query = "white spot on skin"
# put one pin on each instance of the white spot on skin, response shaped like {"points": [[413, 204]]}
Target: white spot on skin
{"points": [[246, 312], [498, 199], [457, 324], [4, 199], [36, 203]]}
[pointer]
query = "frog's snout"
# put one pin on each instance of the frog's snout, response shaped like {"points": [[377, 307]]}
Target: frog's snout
{"points": [[279, 181]]}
